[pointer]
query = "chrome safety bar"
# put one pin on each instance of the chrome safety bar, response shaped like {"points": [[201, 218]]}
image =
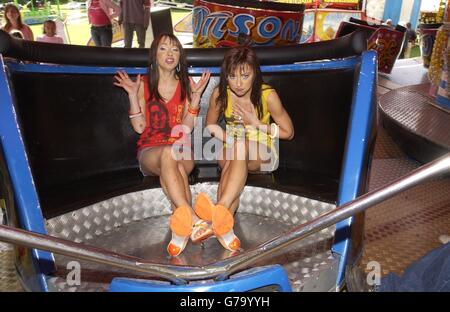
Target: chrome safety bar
{"points": [[222, 269]]}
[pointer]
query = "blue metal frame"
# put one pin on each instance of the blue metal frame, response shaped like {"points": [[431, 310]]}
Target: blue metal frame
{"points": [[244, 281], [361, 121], [360, 124], [392, 10], [71, 69], [414, 18], [28, 207]]}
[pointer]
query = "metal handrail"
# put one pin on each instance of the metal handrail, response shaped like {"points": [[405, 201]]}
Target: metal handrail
{"points": [[222, 269]]}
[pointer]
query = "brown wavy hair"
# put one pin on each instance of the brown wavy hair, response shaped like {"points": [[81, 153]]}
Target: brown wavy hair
{"points": [[8, 24], [234, 58], [153, 74]]}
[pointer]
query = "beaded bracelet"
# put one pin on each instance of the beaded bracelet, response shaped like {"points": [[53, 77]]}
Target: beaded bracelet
{"points": [[193, 111]]}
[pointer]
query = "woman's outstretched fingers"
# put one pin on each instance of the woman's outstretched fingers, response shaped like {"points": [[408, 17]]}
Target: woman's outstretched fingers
{"points": [[125, 82], [205, 78], [198, 87], [123, 74]]}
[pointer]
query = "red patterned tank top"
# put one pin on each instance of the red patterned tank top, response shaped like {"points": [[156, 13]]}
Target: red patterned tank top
{"points": [[97, 16], [161, 118]]}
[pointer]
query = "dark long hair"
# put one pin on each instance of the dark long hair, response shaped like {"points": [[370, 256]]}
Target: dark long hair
{"points": [[48, 22], [153, 74], [8, 24], [236, 58]]}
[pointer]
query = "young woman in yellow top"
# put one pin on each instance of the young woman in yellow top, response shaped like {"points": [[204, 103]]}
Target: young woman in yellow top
{"points": [[255, 117]]}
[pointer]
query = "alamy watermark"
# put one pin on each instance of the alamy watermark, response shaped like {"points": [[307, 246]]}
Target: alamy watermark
{"points": [[240, 143], [73, 278], [374, 276]]}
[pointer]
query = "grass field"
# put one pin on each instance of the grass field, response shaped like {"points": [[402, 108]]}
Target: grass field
{"points": [[415, 51]]}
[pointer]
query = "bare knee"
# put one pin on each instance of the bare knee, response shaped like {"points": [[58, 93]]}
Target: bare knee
{"points": [[224, 164], [185, 167], [254, 166], [150, 162], [166, 151], [167, 158]]}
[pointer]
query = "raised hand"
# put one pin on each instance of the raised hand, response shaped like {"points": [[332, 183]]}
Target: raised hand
{"points": [[197, 88], [124, 81], [246, 115]]}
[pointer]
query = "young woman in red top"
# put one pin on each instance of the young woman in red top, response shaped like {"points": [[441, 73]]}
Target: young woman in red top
{"points": [[163, 108]]}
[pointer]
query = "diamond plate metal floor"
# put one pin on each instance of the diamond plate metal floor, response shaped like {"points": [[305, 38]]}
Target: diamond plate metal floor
{"points": [[406, 227], [8, 278], [302, 261], [412, 108], [137, 224]]}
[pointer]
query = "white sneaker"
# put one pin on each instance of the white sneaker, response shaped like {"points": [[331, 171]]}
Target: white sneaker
{"points": [[444, 239]]}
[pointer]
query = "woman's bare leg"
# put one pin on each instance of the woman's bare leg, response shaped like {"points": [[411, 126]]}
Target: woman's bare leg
{"points": [[171, 176], [224, 164], [224, 181], [235, 176], [174, 180], [185, 168]]}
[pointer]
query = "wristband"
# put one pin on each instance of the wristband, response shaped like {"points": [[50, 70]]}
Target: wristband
{"points": [[131, 116], [193, 111], [274, 130]]}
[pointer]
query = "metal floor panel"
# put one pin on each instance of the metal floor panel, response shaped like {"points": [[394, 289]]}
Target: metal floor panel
{"points": [[8, 276], [384, 171], [412, 108], [385, 147], [406, 227], [137, 224], [92, 221], [317, 273], [148, 239]]}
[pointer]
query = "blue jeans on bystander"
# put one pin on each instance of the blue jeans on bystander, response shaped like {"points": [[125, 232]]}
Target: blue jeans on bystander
{"points": [[102, 35]]}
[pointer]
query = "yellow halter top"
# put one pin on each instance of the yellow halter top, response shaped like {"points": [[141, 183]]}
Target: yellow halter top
{"points": [[251, 133]]}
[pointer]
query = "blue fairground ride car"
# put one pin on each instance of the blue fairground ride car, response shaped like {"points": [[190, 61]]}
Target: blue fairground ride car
{"points": [[68, 171]]}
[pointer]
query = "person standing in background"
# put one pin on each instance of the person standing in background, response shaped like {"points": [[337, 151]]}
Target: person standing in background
{"points": [[410, 33], [14, 22], [100, 13], [50, 35], [389, 23], [135, 16], [409, 41]]}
